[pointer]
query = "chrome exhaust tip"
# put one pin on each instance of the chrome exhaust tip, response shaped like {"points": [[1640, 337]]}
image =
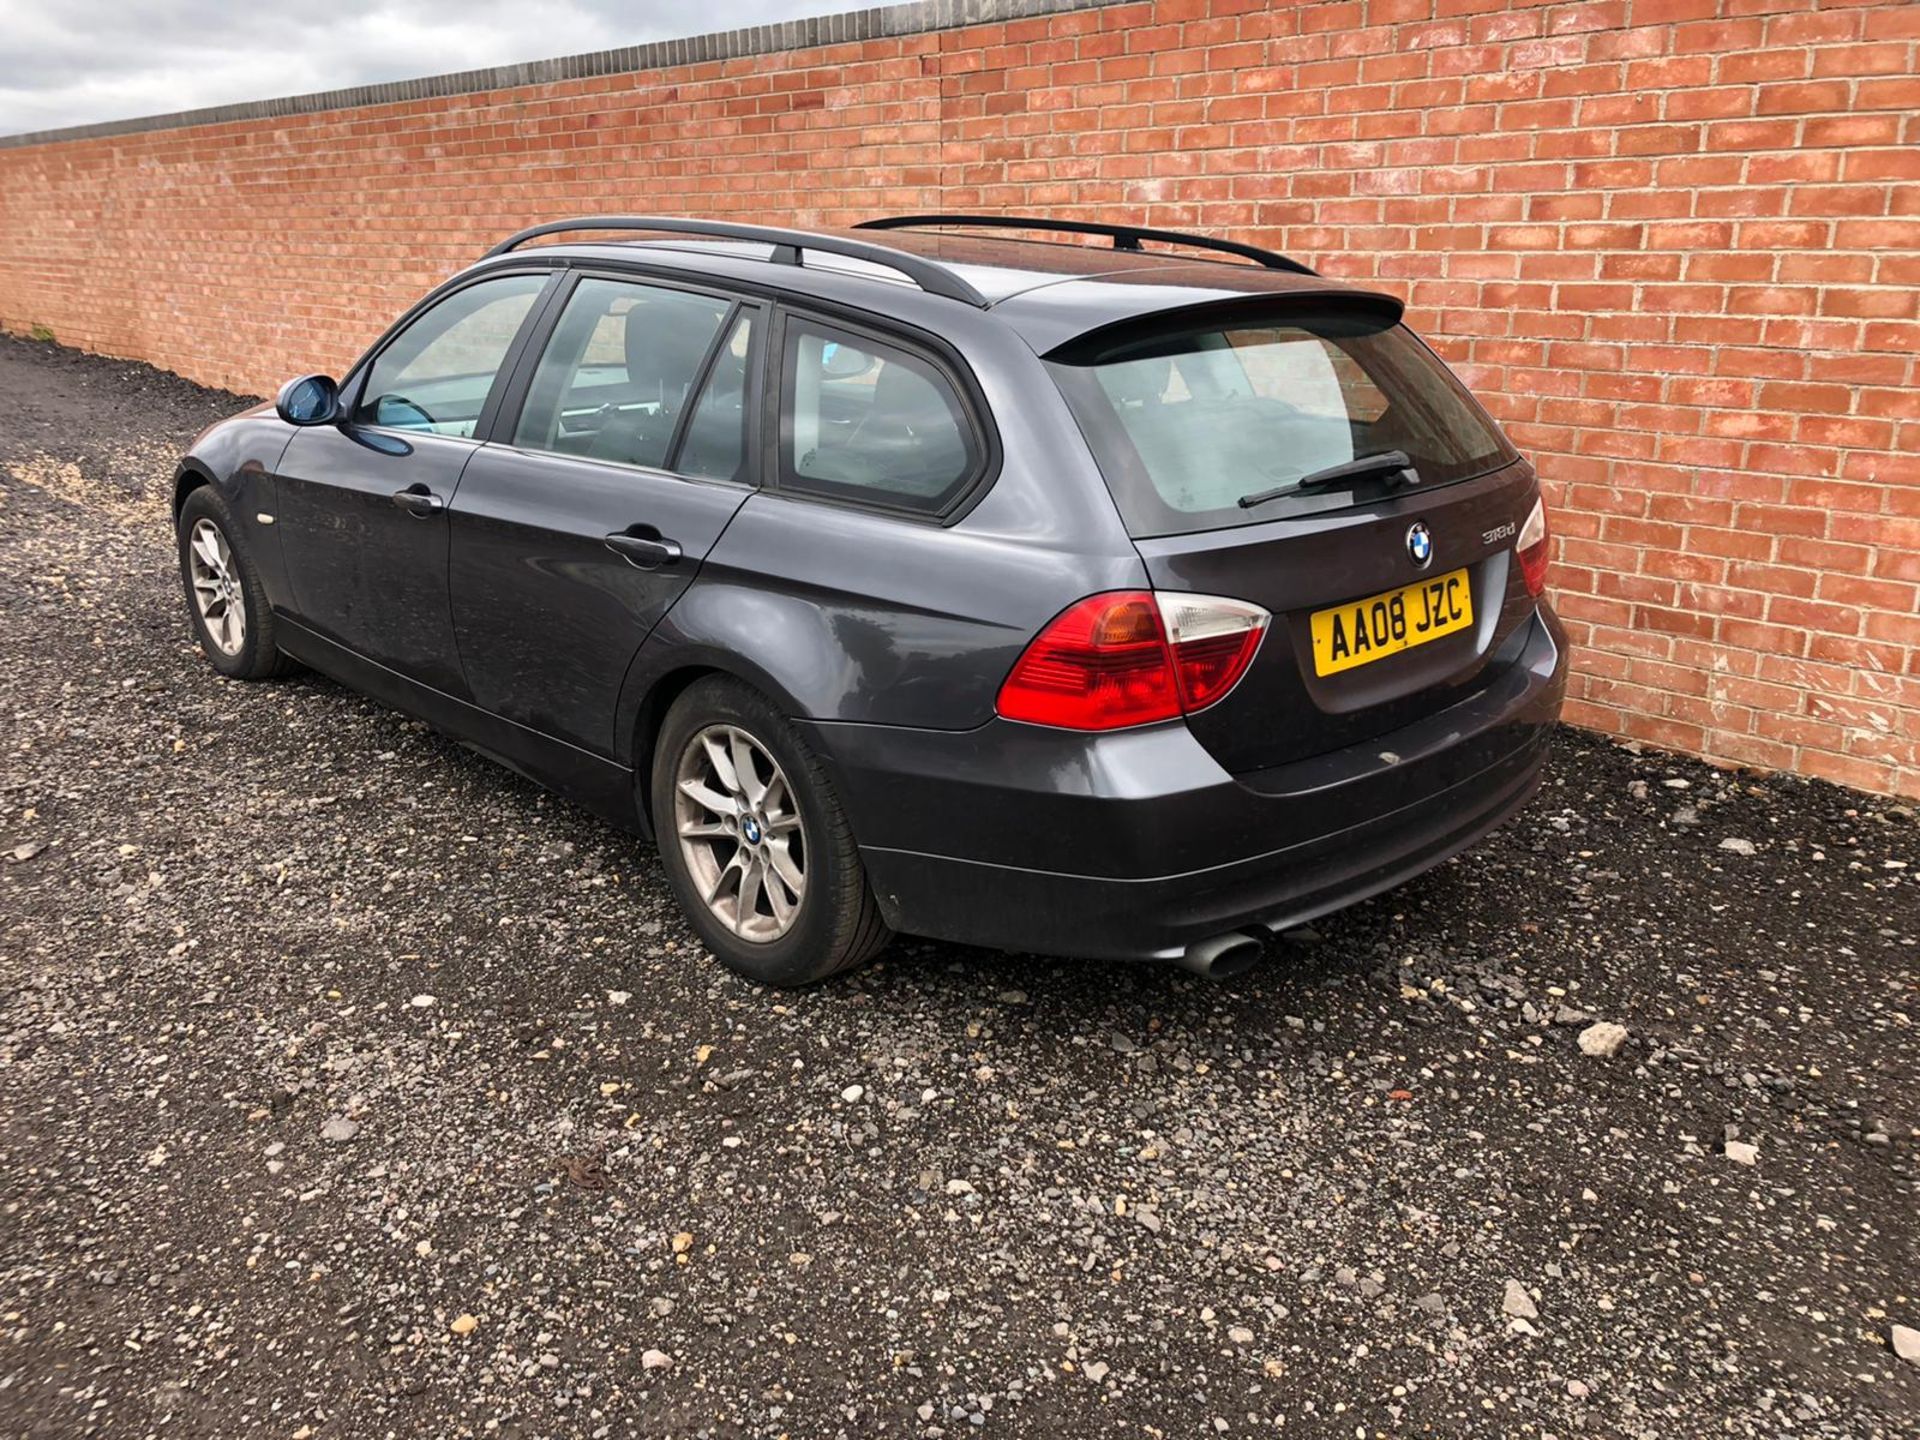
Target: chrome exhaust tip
{"points": [[1223, 956]]}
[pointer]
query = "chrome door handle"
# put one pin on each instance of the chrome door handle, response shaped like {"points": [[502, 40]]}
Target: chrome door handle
{"points": [[418, 500], [643, 551]]}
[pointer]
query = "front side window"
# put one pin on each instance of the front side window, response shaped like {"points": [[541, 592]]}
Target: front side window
{"points": [[435, 375], [864, 420], [1185, 423], [620, 372]]}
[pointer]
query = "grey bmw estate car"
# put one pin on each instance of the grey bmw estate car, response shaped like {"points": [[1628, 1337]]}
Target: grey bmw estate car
{"points": [[1034, 593]]}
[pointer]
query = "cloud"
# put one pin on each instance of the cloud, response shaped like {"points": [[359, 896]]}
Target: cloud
{"points": [[72, 62]]}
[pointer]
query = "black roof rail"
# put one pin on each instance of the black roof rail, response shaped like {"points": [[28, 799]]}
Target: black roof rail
{"points": [[929, 275], [1125, 237]]}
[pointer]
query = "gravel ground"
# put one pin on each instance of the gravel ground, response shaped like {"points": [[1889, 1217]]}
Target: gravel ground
{"points": [[351, 1086]]}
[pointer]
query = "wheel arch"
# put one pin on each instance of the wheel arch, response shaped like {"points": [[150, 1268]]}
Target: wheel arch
{"points": [[650, 715], [189, 477], [654, 693]]}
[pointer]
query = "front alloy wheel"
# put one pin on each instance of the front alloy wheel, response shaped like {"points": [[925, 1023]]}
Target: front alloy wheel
{"points": [[228, 606], [217, 591], [740, 833]]}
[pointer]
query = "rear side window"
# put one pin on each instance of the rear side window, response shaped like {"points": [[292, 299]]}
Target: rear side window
{"points": [[714, 443], [1186, 422], [864, 420], [619, 372]]}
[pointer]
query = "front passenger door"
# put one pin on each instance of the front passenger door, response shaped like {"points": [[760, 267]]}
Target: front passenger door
{"points": [[629, 457], [362, 504]]}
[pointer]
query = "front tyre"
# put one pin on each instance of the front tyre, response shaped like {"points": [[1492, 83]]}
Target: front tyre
{"points": [[225, 600], [755, 844]]}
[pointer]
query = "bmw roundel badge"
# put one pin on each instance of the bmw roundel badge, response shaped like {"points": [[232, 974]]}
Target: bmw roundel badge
{"points": [[1420, 544]]}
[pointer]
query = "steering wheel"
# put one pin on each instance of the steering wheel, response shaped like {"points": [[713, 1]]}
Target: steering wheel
{"points": [[384, 407]]}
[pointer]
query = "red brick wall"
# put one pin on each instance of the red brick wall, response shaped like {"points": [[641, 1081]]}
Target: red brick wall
{"points": [[1675, 244]]}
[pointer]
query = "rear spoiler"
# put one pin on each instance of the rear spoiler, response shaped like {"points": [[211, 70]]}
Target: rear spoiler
{"points": [[1372, 309]]}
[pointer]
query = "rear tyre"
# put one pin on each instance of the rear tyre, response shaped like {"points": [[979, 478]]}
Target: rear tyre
{"points": [[225, 601], [755, 844]]}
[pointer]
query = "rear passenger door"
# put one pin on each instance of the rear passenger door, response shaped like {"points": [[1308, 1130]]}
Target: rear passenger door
{"points": [[621, 455], [860, 596]]}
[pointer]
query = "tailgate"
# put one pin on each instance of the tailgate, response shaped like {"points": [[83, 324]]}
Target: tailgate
{"points": [[1308, 453], [1284, 708]]}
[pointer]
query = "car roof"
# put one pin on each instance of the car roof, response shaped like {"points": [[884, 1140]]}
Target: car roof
{"points": [[1050, 292]]}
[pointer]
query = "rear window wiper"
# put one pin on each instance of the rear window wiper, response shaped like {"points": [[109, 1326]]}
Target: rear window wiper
{"points": [[1383, 463]]}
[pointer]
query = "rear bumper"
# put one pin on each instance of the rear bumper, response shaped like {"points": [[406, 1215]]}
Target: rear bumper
{"points": [[1136, 845]]}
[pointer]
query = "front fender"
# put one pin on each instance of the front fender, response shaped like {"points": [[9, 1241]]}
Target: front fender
{"points": [[240, 457]]}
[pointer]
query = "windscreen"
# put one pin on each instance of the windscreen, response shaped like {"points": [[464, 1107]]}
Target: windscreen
{"points": [[1186, 422]]}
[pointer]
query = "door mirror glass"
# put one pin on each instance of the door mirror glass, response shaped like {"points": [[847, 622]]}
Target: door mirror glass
{"points": [[309, 400]]}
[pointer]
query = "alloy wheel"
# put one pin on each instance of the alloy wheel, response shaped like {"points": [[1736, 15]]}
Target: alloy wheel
{"points": [[739, 830], [217, 592]]}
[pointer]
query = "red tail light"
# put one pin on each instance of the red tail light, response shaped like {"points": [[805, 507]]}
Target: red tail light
{"points": [[1130, 657], [1531, 546]]}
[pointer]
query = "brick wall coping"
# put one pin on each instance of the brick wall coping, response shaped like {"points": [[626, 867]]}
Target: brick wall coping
{"points": [[847, 27]]}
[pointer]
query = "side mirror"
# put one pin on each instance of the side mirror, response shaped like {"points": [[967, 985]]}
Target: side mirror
{"points": [[310, 400]]}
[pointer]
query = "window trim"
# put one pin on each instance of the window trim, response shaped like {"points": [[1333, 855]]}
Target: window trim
{"points": [[352, 386], [927, 348], [506, 421]]}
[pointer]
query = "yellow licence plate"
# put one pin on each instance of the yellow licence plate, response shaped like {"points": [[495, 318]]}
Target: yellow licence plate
{"points": [[1362, 631]]}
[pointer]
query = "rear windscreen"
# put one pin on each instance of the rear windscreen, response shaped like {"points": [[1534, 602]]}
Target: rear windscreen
{"points": [[1184, 423]]}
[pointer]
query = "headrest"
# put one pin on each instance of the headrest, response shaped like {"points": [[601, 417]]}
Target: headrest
{"points": [[1138, 381], [666, 339], [903, 393]]}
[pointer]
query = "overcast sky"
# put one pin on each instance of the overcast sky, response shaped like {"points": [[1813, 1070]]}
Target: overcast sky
{"points": [[71, 62]]}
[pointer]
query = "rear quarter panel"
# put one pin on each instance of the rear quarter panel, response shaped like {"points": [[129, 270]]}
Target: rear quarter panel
{"points": [[842, 613]]}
